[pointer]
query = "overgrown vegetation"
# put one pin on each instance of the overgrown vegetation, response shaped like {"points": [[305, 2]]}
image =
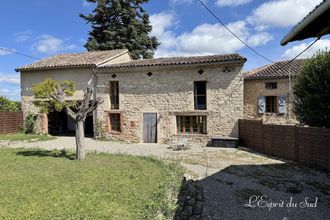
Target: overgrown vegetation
{"points": [[8, 105], [101, 134], [30, 125], [312, 91], [39, 184]]}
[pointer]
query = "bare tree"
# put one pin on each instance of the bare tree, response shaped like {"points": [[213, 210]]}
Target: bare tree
{"points": [[51, 95]]}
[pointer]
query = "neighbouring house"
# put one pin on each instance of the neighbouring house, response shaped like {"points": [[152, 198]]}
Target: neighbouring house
{"points": [[315, 24], [268, 92], [151, 100]]}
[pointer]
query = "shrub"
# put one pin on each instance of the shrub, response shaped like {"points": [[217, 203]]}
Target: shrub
{"points": [[31, 122], [8, 105], [312, 92]]}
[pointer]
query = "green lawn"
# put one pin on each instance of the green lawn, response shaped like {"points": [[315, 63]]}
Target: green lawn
{"points": [[38, 184], [25, 137]]}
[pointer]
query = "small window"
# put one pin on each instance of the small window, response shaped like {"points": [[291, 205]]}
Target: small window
{"points": [[271, 85], [114, 94], [191, 124], [200, 95], [271, 104], [115, 122]]}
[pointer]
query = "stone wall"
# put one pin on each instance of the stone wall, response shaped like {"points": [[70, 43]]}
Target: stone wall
{"points": [[255, 88], [169, 92], [80, 76]]}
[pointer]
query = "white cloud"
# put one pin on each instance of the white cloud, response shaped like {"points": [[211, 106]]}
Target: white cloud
{"points": [[13, 94], [23, 36], [50, 45], [5, 51], [231, 3], [212, 39], [10, 78], [281, 13], [161, 23], [180, 1], [295, 50], [259, 39], [203, 39], [86, 3]]}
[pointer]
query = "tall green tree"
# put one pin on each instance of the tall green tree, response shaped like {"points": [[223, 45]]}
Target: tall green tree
{"points": [[312, 91], [121, 24], [8, 105]]}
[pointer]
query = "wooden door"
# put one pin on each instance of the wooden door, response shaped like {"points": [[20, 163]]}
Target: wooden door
{"points": [[150, 128]]}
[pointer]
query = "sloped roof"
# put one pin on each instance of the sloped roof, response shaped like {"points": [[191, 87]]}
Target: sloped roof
{"points": [[315, 24], [276, 70], [72, 60], [177, 61]]}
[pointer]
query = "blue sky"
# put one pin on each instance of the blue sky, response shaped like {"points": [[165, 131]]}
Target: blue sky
{"points": [[42, 28]]}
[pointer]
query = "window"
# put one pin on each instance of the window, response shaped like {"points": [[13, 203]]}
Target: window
{"points": [[271, 85], [191, 124], [271, 104], [115, 122], [114, 94], [200, 95]]}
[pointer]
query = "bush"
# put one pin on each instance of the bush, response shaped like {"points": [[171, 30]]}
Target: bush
{"points": [[8, 105], [31, 122], [312, 91]]}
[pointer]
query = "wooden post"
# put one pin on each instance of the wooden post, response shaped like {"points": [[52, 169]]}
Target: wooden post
{"points": [[4, 122]]}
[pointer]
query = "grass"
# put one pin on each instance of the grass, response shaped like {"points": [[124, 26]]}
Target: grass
{"points": [[25, 137], [38, 184]]}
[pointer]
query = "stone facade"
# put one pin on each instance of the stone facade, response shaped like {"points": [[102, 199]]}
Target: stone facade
{"points": [[169, 92], [82, 77], [255, 88]]}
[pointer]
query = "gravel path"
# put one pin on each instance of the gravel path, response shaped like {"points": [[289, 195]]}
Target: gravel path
{"points": [[229, 178]]}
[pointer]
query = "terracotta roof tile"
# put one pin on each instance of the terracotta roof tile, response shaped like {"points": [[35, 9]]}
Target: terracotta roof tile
{"points": [[84, 59], [276, 70], [178, 61]]}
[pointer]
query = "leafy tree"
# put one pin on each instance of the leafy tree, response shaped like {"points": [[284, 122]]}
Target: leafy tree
{"points": [[8, 105], [121, 24], [52, 95], [312, 90]]}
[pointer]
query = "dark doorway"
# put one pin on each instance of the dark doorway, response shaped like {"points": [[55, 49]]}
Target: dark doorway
{"points": [[59, 124], [150, 128]]}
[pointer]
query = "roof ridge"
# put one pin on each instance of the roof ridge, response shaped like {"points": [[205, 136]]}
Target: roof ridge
{"points": [[65, 60], [274, 70], [162, 61]]}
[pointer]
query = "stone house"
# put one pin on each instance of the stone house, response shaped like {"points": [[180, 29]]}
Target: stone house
{"points": [[268, 93], [151, 100]]}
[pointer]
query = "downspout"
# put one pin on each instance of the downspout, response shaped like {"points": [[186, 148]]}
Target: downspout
{"points": [[289, 95]]}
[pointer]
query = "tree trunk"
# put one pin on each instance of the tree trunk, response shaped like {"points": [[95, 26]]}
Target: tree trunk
{"points": [[80, 140]]}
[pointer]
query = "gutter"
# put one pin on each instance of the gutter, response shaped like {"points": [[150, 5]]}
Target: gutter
{"points": [[307, 21]]}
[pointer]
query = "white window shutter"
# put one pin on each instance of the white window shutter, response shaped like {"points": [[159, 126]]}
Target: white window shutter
{"points": [[261, 104], [282, 104]]}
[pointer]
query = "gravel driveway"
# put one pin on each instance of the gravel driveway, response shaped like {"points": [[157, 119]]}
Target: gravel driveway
{"points": [[230, 179]]}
